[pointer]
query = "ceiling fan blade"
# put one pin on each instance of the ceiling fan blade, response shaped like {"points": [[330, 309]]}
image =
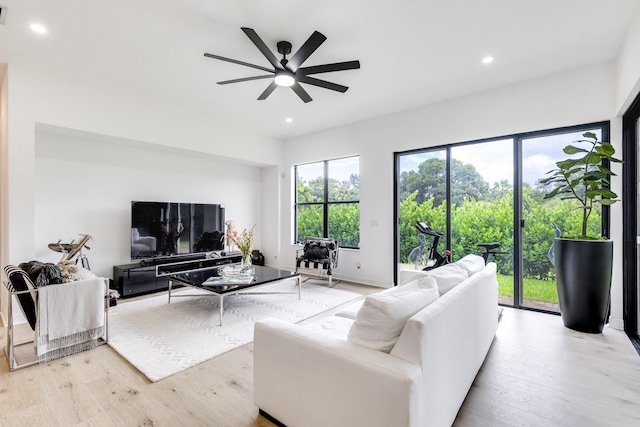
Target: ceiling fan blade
{"points": [[235, 61], [267, 91], [328, 68], [301, 92], [322, 83], [245, 79], [312, 43], [255, 38]]}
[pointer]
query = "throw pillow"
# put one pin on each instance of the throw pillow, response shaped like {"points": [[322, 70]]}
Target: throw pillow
{"points": [[72, 272], [472, 263], [421, 281], [448, 276], [381, 318]]}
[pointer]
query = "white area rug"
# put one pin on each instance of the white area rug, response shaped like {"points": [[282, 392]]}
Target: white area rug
{"points": [[162, 339]]}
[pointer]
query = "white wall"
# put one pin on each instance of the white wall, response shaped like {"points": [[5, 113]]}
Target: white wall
{"points": [[571, 98], [4, 198], [84, 185], [628, 66], [627, 89], [37, 195], [35, 99]]}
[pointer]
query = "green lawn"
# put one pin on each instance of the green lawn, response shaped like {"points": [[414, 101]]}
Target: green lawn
{"points": [[534, 289]]}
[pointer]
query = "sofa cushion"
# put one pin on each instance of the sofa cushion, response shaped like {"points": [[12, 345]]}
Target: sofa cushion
{"points": [[448, 276], [421, 282], [472, 263], [382, 316], [350, 311], [337, 327]]}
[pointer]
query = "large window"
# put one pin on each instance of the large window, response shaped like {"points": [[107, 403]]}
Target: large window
{"points": [[327, 202]]}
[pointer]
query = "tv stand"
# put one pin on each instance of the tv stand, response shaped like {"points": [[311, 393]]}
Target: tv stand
{"points": [[140, 277]]}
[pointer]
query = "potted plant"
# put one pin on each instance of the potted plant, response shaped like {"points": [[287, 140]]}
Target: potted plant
{"points": [[584, 263]]}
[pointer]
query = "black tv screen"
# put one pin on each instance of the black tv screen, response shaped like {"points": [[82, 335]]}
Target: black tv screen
{"points": [[168, 228]]}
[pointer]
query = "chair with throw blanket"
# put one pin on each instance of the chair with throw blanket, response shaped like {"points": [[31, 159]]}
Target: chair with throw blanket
{"points": [[66, 318], [319, 255]]}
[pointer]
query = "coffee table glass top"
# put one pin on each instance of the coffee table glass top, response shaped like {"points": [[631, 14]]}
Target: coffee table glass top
{"points": [[212, 280]]}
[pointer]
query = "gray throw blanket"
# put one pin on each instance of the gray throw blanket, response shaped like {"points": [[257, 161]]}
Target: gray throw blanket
{"points": [[42, 274]]}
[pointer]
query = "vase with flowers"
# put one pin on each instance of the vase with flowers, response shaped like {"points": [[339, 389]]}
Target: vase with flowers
{"points": [[243, 241]]}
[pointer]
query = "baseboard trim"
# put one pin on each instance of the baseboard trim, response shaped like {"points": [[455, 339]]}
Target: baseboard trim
{"points": [[615, 323], [635, 341], [270, 418]]}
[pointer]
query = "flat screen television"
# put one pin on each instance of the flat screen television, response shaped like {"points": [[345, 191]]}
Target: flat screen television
{"points": [[169, 228]]}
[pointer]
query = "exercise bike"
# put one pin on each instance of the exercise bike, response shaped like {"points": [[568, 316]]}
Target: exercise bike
{"points": [[434, 258]]}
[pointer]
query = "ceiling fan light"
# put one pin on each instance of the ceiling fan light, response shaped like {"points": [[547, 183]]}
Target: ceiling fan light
{"points": [[284, 79]]}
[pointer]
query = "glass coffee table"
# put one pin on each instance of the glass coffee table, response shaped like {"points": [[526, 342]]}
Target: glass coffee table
{"points": [[215, 281]]}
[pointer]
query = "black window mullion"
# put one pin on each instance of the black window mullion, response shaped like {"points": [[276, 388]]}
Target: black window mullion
{"points": [[325, 224], [449, 181], [518, 222], [605, 209]]}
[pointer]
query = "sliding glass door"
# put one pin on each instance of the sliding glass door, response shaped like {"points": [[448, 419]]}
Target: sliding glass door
{"points": [[489, 191], [631, 222], [482, 206], [543, 219]]}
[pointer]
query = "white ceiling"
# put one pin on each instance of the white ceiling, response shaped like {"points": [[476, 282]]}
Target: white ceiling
{"points": [[412, 52]]}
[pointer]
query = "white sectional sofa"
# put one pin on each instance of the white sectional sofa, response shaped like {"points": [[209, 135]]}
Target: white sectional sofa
{"points": [[406, 356]]}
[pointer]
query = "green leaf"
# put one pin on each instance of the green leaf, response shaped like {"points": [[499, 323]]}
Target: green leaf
{"points": [[590, 135], [593, 159], [595, 175], [606, 149], [602, 192], [569, 163], [575, 182], [551, 179], [552, 193], [604, 170], [574, 170], [572, 149]]}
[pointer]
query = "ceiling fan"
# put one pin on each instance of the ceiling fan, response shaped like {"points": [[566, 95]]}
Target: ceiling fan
{"points": [[287, 72]]}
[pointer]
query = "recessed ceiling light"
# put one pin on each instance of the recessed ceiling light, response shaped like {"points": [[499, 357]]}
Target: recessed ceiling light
{"points": [[38, 28], [487, 60], [288, 120]]}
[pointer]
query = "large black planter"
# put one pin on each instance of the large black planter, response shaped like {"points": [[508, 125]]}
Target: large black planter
{"points": [[583, 278]]}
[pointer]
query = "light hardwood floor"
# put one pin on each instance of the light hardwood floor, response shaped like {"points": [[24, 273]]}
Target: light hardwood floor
{"points": [[537, 373]]}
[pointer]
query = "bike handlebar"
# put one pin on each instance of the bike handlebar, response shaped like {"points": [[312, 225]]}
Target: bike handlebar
{"points": [[424, 228]]}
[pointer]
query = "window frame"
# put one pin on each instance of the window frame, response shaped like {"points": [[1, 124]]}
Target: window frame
{"points": [[325, 203], [604, 126]]}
